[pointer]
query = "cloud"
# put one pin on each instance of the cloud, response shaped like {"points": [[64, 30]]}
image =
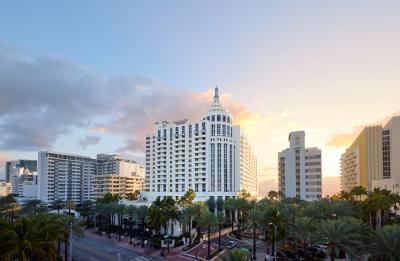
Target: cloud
{"points": [[89, 140], [330, 185], [346, 139], [44, 97]]}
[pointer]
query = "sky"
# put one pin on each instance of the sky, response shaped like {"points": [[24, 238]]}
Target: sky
{"points": [[92, 77]]}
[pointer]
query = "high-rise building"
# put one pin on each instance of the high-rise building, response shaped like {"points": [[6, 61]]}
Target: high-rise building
{"points": [[66, 176], [28, 185], [13, 167], [390, 157], [361, 163], [299, 169], [117, 176], [210, 156]]}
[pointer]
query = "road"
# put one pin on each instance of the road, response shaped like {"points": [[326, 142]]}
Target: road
{"points": [[90, 249]]}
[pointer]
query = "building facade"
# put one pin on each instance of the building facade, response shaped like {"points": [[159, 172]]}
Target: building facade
{"points": [[28, 185], [300, 169], [5, 188], [361, 163], [390, 157], [66, 176], [14, 169], [116, 175], [205, 156]]}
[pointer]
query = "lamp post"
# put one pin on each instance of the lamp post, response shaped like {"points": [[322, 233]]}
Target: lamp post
{"points": [[275, 226], [70, 242]]}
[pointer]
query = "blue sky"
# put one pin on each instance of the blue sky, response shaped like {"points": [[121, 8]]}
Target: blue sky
{"points": [[326, 67]]}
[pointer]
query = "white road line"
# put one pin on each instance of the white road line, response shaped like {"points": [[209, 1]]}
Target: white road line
{"points": [[92, 258]]}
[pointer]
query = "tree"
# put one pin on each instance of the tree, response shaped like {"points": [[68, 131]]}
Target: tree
{"points": [[340, 236], [238, 255], [86, 209], [385, 243], [230, 205], [170, 211], [65, 224], [132, 196], [208, 220], [273, 195], [57, 204], [303, 230], [254, 222], [156, 218], [131, 212], [7, 239], [220, 220], [187, 199], [119, 210], [108, 198], [244, 194], [34, 206], [241, 205], [142, 214], [210, 203], [70, 204], [188, 214], [358, 191]]}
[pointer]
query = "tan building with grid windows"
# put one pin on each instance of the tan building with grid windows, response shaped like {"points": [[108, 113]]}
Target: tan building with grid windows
{"points": [[115, 184]]}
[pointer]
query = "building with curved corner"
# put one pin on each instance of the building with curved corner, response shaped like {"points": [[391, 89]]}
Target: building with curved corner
{"points": [[211, 156]]}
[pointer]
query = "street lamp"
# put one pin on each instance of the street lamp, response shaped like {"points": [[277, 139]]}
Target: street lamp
{"points": [[275, 250]]}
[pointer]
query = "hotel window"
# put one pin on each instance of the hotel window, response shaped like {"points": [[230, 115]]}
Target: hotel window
{"points": [[223, 130], [218, 129], [212, 118], [218, 117], [224, 118], [190, 130], [213, 130]]}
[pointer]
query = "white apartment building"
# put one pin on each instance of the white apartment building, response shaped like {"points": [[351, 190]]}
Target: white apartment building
{"points": [[206, 156], [28, 185], [299, 169], [66, 176]]}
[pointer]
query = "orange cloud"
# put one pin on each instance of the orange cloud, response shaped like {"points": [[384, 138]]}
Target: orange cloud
{"points": [[330, 185], [346, 139]]}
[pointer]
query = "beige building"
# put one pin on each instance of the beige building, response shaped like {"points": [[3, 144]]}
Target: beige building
{"points": [[390, 157], [5, 188], [116, 175], [361, 163], [116, 184]]}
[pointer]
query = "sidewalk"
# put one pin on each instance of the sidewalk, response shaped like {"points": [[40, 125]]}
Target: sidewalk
{"points": [[135, 247]]}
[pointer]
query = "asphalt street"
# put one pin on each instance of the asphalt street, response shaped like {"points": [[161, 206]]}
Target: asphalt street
{"points": [[90, 249]]}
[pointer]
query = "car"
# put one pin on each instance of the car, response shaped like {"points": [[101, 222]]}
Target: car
{"points": [[231, 244], [321, 248]]}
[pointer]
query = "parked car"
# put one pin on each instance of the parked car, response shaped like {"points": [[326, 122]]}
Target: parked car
{"points": [[231, 244]]}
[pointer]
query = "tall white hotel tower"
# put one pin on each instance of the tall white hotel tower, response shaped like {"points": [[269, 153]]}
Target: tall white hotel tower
{"points": [[212, 157], [299, 169]]}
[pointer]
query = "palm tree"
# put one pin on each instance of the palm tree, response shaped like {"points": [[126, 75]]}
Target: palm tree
{"points": [[254, 221], [170, 212], [208, 220], [385, 243], [340, 236], [188, 215], [142, 215], [211, 204], [7, 239], [33, 206], [231, 208], [70, 204], [273, 195], [57, 204], [131, 212], [303, 230], [65, 223], [241, 205], [86, 209], [358, 191], [220, 221], [119, 210], [156, 218]]}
